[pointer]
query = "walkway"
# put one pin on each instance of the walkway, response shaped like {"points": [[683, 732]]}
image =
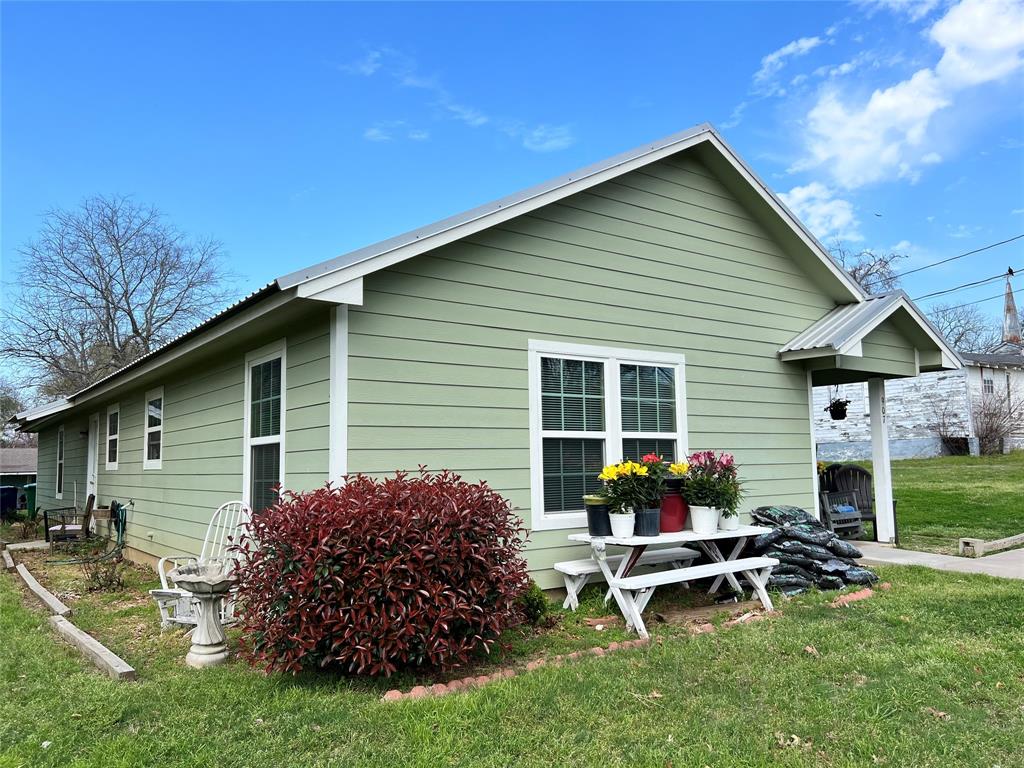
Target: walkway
{"points": [[1008, 565]]}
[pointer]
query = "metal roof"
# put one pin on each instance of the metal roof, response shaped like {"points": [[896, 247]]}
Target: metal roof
{"points": [[566, 185], [995, 358], [843, 324]]}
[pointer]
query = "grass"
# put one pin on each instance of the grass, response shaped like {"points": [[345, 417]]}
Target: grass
{"points": [[930, 673], [941, 500]]}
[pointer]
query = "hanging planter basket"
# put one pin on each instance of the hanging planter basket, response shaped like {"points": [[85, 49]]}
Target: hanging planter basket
{"points": [[837, 409]]}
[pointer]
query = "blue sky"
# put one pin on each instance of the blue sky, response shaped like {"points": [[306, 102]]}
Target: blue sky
{"points": [[296, 132]]}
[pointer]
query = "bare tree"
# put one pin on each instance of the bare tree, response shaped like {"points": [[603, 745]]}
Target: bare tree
{"points": [[102, 285], [12, 402], [875, 272], [965, 327], [997, 417]]}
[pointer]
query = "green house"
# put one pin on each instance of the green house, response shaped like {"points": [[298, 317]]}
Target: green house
{"points": [[663, 299]]}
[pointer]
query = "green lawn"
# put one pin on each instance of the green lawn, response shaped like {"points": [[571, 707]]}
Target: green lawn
{"points": [[942, 500], [930, 673]]}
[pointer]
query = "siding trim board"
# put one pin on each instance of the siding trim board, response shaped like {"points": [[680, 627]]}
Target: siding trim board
{"points": [[338, 440]]}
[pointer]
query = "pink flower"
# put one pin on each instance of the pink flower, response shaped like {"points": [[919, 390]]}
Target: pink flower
{"points": [[651, 458]]}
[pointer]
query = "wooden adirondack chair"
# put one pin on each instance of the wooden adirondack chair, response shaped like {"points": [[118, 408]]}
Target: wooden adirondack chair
{"points": [[850, 478], [177, 606]]}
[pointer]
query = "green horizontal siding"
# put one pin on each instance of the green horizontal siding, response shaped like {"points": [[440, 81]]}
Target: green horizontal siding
{"points": [[75, 455], [203, 439], [665, 259]]}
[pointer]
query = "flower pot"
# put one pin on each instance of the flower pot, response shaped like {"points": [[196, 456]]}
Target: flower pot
{"points": [[597, 516], [837, 410], [648, 522], [730, 523], [674, 510], [622, 524], [704, 520]]}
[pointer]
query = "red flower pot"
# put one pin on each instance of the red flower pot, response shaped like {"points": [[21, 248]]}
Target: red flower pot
{"points": [[674, 510]]}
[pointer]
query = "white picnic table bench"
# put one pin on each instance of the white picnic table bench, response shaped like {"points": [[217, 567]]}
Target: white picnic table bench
{"points": [[632, 593]]}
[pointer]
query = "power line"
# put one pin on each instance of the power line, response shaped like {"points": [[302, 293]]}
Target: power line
{"points": [[951, 258], [979, 301], [968, 285]]}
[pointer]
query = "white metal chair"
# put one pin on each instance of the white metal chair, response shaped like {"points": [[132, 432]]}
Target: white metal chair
{"points": [[177, 606]]}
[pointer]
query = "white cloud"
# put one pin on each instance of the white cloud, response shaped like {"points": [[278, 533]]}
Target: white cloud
{"points": [[548, 138], [913, 9], [376, 133], [1017, 211], [389, 130], [828, 217], [368, 64], [773, 63], [418, 134], [887, 136]]}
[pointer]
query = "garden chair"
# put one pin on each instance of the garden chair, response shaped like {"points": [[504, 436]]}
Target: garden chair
{"points": [[841, 513], [178, 606], [67, 524], [857, 480]]}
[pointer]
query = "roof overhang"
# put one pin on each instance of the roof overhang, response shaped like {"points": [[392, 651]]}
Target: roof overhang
{"points": [[343, 270], [842, 331]]}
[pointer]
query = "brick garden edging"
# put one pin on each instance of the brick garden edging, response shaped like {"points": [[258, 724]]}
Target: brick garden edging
{"points": [[440, 689]]}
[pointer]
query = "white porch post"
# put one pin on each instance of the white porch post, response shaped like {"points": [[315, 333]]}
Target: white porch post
{"points": [[885, 522]]}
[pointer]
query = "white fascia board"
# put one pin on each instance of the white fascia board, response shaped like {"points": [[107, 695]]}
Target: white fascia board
{"points": [[327, 288], [806, 354]]}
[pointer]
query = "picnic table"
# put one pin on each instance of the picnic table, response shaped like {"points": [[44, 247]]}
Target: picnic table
{"points": [[632, 593]]}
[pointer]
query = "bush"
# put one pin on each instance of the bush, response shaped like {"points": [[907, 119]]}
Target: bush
{"points": [[535, 605], [378, 575]]}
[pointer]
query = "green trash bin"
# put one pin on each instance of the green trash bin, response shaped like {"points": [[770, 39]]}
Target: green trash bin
{"points": [[30, 496]]}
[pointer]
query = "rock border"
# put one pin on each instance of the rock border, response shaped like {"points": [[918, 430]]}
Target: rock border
{"points": [[46, 597], [8, 560], [104, 659], [980, 547], [440, 689]]}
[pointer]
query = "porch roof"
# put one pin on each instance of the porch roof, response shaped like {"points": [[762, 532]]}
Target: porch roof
{"points": [[884, 336]]}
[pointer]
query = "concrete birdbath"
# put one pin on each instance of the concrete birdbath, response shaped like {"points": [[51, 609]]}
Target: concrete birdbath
{"points": [[209, 583]]}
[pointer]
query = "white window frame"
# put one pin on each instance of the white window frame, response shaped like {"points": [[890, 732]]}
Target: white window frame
{"points": [[112, 465], [254, 358], [148, 463], [58, 478], [613, 358]]}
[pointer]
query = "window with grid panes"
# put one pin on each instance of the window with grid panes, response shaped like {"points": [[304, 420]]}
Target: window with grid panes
{"points": [[265, 443]]}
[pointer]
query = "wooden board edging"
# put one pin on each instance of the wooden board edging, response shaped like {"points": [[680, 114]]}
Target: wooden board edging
{"points": [[105, 660], [45, 596]]}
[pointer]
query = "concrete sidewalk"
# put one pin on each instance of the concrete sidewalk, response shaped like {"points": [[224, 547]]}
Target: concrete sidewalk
{"points": [[1007, 565]]}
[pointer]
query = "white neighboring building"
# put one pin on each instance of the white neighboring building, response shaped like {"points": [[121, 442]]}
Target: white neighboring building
{"points": [[915, 406]]}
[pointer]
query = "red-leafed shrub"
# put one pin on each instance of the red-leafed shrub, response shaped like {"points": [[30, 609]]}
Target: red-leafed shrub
{"points": [[377, 575]]}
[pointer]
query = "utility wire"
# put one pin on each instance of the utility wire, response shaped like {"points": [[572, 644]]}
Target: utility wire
{"points": [[951, 258], [968, 285], [979, 301]]}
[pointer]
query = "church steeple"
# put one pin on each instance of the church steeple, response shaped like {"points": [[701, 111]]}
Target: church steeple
{"points": [[1011, 319]]}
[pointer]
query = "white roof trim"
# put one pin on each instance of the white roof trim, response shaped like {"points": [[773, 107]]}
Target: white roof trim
{"points": [[843, 329], [364, 261]]}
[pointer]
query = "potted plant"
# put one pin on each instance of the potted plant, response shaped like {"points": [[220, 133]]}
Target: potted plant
{"points": [[836, 408], [713, 492], [597, 506], [674, 508], [634, 490]]}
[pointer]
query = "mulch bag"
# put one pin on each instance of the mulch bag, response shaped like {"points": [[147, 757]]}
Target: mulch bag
{"points": [[808, 553]]}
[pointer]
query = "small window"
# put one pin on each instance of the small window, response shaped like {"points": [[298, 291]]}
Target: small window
{"points": [[153, 430], [264, 436], [988, 386], [113, 435], [59, 486]]}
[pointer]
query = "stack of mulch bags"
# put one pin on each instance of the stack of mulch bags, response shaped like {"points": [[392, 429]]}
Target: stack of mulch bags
{"points": [[808, 553]]}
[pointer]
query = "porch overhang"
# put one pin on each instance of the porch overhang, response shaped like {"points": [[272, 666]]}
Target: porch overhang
{"points": [[883, 337]]}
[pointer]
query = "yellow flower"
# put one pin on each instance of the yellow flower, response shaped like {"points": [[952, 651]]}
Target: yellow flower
{"points": [[609, 473], [679, 469], [641, 470]]}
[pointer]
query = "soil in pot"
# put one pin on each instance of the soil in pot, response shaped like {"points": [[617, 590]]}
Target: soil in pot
{"points": [[648, 522]]}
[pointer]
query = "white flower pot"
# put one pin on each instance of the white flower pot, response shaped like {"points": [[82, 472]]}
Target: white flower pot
{"points": [[729, 523], [703, 519], [622, 524]]}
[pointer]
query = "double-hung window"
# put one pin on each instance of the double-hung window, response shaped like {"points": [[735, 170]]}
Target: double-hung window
{"points": [[153, 430], [113, 435], [591, 406], [264, 426], [59, 485]]}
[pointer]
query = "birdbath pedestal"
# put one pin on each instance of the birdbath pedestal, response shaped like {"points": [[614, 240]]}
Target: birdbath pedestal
{"points": [[209, 583]]}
